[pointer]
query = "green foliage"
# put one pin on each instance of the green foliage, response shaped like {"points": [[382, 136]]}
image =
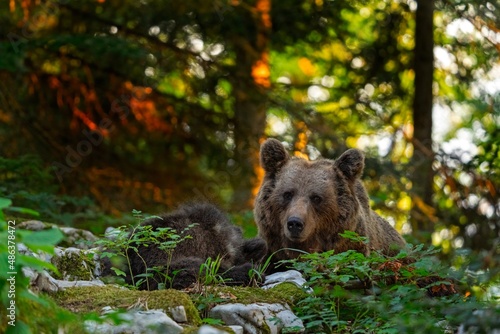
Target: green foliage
{"points": [[176, 81], [205, 301], [209, 272], [25, 310], [354, 293], [29, 184], [126, 239]]}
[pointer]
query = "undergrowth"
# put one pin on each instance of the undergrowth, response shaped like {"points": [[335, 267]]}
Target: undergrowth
{"points": [[411, 292], [126, 239]]}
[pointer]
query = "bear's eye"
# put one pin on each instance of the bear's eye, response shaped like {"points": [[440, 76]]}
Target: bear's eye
{"points": [[316, 199], [287, 195]]}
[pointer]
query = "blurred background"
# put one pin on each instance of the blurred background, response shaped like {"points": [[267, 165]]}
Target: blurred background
{"points": [[108, 106]]}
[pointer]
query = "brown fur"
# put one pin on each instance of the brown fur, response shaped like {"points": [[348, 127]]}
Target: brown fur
{"points": [[213, 236], [306, 204]]}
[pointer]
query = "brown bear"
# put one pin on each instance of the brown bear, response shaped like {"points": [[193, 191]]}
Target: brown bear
{"points": [[305, 204], [212, 235]]}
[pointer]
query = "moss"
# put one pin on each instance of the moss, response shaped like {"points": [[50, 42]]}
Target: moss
{"points": [[288, 293], [93, 299], [195, 330], [74, 266], [43, 317]]}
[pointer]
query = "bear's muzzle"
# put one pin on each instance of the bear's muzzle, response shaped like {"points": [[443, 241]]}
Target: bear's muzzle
{"points": [[295, 226]]}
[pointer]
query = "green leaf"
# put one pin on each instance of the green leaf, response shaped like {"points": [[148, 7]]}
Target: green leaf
{"points": [[43, 240], [118, 272], [33, 262], [4, 266], [24, 211], [19, 328], [5, 203], [344, 278]]}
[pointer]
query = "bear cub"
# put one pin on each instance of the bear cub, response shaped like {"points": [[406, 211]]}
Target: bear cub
{"points": [[212, 235], [305, 204]]}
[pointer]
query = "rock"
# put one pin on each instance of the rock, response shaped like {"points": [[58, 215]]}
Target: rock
{"points": [[46, 283], [106, 310], [78, 238], [259, 318], [206, 329], [111, 233], [30, 273], [62, 285], [178, 313], [93, 298], [76, 264], [77, 267], [73, 237], [33, 225], [292, 276], [136, 322], [236, 329]]}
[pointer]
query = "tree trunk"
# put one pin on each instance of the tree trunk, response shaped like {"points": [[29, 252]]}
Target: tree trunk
{"points": [[423, 156], [252, 79]]}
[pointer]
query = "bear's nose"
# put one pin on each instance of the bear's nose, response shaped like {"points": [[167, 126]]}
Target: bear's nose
{"points": [[295, 225]]}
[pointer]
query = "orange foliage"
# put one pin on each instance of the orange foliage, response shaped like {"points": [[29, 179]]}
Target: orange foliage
{"points": [[84, 118], [428, 210], [306, 67], [145, 112], [394, 266], [301, 143], [264, 9], [261, 72], [259, 175], [105, 181]]}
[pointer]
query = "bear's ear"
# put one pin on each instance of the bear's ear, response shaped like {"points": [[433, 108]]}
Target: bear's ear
{"points": [[351, 164], [273, 156]]}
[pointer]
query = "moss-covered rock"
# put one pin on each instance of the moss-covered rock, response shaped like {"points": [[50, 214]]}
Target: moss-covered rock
{"points": [[93, 299], [284, 293], [74, 264], [42, 316]]}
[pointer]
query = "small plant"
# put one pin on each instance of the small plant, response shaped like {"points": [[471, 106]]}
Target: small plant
{"points": [[205, 301], [256, 274], [354, 293], [126, 239], [209, 272]]}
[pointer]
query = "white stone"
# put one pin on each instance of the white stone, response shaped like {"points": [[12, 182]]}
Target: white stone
{"points": [[292, 276], [107, 309], [62, 285], [45, 282], [88, 261], [111, 233], [75, 236], [32, 225], [137, 322], [206, 329], [178, 313], [236, 329], [255, 318]]}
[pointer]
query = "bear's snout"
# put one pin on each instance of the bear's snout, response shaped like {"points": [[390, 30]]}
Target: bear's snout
{"points": [[295, 226]]}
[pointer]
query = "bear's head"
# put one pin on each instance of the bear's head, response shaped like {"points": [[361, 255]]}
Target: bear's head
{"points": [[303, 200]]}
